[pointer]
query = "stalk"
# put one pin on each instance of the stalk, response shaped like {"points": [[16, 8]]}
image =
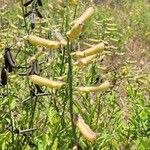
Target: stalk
{"points": [[12, 130], [70, 91], [33, 113], [62, 61], [23, 12], [93, 72], [27, 31]]}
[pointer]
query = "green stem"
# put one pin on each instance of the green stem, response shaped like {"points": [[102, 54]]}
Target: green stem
{"points": [[23, 12], [12, 128], [98, 111], [93, 72], [62, 62], [33, 113], [70, 91]]}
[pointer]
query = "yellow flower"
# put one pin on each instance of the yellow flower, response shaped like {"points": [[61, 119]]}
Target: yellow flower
{"points": [[85, 129], [90, 51], [78, 24], [42, 42], [75, 31], [104, 86], [46, 82], [85, 61]]}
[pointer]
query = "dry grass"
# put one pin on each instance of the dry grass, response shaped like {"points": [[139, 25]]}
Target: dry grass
{"points": [[138, 51]]}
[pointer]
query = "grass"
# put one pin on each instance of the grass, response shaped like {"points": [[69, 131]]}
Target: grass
{"points": [[120, 115]]}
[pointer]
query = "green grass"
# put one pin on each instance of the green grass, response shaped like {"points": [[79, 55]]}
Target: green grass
{"points": [[121, 114]]}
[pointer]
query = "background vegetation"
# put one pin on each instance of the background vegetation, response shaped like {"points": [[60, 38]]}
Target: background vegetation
{"points": [[121, 114]]}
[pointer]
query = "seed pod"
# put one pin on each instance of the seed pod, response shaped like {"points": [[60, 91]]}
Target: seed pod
{"points": [[4, 76], [75, 31], [85, 61], [104, 86], [42, 42], [35, 68], [38, 14], [27, 14], [33, 20], [7, 64], [91, 51], [85, 16], [32, 25], [59, 37], [10, 58], [27, 3], [85, 129], [10, 69], [46, 82]]}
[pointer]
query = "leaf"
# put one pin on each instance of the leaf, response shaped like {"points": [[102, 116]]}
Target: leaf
{"points": [[54, 147], [3, 145], [13, 104]]}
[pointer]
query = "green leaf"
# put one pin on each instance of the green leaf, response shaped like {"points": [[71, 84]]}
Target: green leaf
{"points": [[13, 104], [54, 147]]}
